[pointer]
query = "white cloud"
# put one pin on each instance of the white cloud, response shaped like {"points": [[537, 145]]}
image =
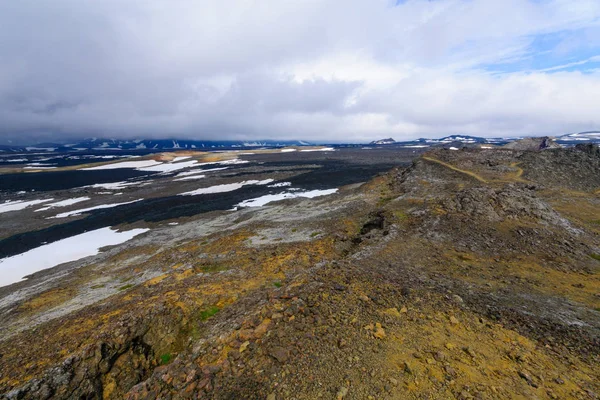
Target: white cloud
{"points": [[318, 70]]}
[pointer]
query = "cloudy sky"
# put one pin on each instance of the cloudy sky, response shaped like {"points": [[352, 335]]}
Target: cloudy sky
{"points": [[329, 70]]}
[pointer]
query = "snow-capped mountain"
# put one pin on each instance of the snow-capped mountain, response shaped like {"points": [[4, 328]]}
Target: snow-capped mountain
{"points": [[454, 141], [571, 139], [383, 141], [461, 139]]}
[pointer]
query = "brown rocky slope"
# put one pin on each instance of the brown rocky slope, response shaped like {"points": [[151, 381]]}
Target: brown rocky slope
{"points": [[470, 274]]}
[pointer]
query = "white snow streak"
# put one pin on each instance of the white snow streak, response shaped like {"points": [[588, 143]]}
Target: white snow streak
{"points": [[63, 203], [20, 204], [84, 210], [13, 269]]}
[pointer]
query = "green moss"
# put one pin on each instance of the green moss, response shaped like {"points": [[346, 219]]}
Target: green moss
{"points": [[312, 235], [125, 287], [209, 312], [277, 284], [595, 256], [295, 230], [195, 332], [400, 215], [166, 358], [213, 268], [383, 200]]}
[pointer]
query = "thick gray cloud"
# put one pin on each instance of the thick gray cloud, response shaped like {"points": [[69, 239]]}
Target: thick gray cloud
{"points": [[316, 69]]}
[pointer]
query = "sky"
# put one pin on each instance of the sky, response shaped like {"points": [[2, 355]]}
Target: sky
{"points": [[320, 70]]}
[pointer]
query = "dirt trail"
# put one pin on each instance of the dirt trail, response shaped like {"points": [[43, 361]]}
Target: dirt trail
{"points": [[462, 171]]}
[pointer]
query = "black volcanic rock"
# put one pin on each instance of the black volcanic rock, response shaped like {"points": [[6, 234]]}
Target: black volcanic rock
{"points": [[589, 148]]}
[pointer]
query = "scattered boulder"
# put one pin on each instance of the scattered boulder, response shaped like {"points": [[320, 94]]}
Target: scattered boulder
{"points": [[279, 353]]}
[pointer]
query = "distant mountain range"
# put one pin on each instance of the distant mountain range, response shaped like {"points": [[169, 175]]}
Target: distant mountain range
{"points": [[567, 140], [448, 140], [453, 141], [151, 144]]}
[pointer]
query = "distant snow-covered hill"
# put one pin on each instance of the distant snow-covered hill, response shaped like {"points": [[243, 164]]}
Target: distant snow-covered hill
{"points": [[452, 141], [150, 144], [383, 141], [447, 141], [581, 137]]}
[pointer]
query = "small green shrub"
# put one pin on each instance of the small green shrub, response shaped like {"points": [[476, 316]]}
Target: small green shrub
{"points": [[312, 235], [277, 284], [595, 256], [209, 312], [125, 287], [166, 358]]}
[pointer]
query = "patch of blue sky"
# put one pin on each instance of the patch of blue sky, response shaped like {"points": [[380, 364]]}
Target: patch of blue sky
{"points": [[557, 51]]}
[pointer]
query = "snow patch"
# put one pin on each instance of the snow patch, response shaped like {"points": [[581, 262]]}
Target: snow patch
{"points": [[230, 162], [191, 178], [229, 187], [323, 149], [281, 184], [125, 164], [84, 210], [169, 167], [266, 199], [116, 185], [20, 204], [13, 269], [63, 203]]}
